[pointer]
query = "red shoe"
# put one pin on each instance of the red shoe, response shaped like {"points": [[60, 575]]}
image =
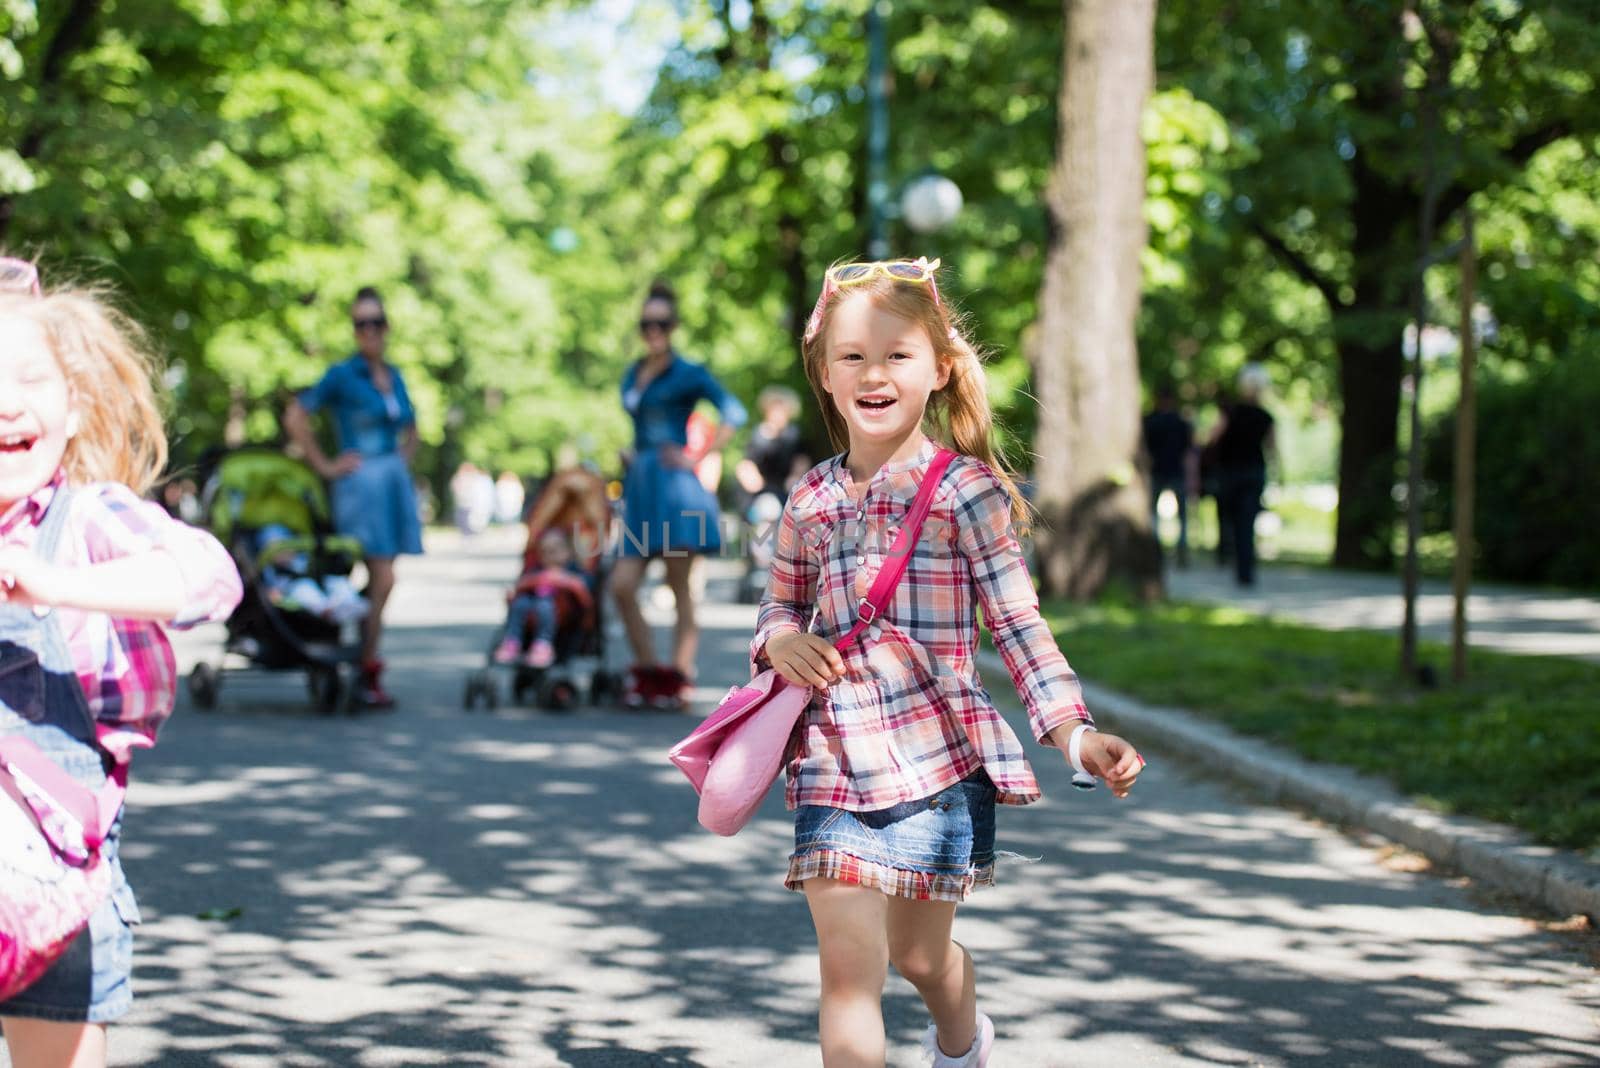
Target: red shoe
{"points": [[372, 694], [672, 688], [635, 692]]}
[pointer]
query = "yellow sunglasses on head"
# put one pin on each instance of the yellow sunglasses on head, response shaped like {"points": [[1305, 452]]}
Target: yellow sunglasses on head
{"points": [[844, 275]]}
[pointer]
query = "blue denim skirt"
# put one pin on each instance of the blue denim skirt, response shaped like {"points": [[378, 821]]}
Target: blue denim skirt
{"points": [[934, 849], [377, 505]]}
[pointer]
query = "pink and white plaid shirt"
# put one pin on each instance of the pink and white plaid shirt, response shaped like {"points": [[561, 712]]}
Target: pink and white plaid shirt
{"points": [[126, 666], [911, 717]]}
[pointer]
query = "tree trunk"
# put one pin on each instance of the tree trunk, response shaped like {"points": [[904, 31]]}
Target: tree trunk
{"points": [[1091, 496]]}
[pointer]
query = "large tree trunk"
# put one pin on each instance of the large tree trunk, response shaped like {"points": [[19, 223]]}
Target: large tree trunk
{"points": [[1090, 493]]}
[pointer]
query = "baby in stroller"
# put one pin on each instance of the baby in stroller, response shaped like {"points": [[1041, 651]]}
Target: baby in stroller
{"points": [[286, 575], [553, 589]]}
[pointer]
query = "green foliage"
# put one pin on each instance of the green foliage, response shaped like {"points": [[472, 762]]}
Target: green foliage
{"points": [[1538, 446], [1527, 725], [237, 169]]}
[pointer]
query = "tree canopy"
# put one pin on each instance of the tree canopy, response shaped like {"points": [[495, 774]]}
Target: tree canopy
{"points": [[238, 168]]}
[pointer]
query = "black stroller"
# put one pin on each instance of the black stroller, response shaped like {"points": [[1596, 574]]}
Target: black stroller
{"points": [[272, 513]]}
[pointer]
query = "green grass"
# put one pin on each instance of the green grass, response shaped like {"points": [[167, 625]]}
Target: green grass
{"points": [[1518, 742]]}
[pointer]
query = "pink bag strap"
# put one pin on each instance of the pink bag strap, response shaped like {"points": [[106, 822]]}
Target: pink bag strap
{"points": [[876, 602], [95, 811]]}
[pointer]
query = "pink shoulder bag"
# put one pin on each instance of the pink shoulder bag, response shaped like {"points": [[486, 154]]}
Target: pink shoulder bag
{"points": [[52, 876], [736, 752]]}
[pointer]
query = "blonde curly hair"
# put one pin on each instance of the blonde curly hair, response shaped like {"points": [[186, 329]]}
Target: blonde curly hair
{"points": [[110, 370]]}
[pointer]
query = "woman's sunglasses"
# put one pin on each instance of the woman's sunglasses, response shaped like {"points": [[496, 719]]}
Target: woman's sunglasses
{"points": [[18, 276], [363, 325], [663, 325]]}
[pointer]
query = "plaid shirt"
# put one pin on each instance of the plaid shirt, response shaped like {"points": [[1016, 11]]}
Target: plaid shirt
{"points": [[126, 666], [910, 717]]}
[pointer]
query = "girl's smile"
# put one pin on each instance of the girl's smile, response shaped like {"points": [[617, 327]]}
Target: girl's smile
{"points": [[35, 413]]}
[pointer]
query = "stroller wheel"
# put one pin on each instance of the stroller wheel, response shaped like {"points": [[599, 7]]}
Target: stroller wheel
{"points": [[491, 693], [204, 683], [557, 694], [329, 692], [345, 703]]}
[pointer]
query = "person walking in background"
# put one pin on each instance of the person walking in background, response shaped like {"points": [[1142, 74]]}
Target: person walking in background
{"points": [[508, 498], [898, 763], [373, 497], [1169, 442], [1242, 438], [773, 457], [91, 577], [667, 512]]}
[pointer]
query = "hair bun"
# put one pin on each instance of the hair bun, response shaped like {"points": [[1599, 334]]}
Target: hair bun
{"points": [[660, 290]]}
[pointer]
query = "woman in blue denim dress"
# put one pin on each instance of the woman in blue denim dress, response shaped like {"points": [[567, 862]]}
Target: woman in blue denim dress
{"points": [[374, 500], [667, 513]]}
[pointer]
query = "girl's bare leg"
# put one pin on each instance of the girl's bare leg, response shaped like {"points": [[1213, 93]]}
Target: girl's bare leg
{"points": [[48, 1044], [920, 948], [626, 574], [686, 635], [854, 954]]}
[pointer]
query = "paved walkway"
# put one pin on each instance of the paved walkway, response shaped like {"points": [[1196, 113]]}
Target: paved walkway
{"points": [[527, 890], [1498, 617]]}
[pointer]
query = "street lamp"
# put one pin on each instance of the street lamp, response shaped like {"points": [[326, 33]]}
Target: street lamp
{"points": [[929, 201]]}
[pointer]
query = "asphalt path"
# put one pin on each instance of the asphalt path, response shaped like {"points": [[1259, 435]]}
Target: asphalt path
{"points": [[517, 888]]}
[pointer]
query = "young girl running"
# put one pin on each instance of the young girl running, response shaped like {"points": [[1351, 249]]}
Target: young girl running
{"points": [[901, 757], [89, 576]]}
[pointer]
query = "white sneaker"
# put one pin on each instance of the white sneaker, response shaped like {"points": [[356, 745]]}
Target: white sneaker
{"points": [[976, 1057]]}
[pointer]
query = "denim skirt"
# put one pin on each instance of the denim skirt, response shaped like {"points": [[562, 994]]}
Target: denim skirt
{"points": [[934, 849], [377, 505]]}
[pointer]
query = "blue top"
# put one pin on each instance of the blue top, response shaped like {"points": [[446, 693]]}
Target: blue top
{"points": [[661, 410], [368, 422], [666, 508]]}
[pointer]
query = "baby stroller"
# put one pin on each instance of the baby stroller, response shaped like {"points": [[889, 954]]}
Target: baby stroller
{"points": [[272, 513], [570, 511]]}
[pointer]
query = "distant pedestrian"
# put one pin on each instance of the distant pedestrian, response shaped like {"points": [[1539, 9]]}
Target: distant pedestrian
{"points": [[1169, 442], [508, 498], [898, 763], [374, 499], [1243, 438], [667, 511], [91, 578], [774, 457]]}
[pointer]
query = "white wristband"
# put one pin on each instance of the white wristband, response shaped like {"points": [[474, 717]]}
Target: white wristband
{"points": [[1075, 748]]}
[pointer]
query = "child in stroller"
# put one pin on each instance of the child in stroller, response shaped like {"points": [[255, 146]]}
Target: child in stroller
{"points": [[553, 637], [288, 579], [552, 591]]}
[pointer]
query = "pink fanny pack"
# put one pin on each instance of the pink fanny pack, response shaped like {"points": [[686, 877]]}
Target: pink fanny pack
{"points": [[736, 752]]}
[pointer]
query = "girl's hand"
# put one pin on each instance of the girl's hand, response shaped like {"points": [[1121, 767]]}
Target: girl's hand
{"points": [[28, 581], [1108, 757], [805, 659]]}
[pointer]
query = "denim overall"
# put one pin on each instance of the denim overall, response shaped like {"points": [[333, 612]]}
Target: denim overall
{"points": [[41, 699]]}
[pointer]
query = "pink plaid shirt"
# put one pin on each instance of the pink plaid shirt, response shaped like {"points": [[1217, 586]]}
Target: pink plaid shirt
{"points": [[126, 666], [910, 717]]}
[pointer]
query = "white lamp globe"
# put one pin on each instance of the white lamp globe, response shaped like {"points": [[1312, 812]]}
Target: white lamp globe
{"points": [[930, 202]]}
